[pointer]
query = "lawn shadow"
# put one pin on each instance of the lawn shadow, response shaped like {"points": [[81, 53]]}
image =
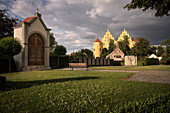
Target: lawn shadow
{"points": [[13, 85]]}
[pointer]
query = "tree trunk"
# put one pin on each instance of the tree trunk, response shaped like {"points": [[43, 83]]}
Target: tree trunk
{"points": [[10, 64], [58, 61]]}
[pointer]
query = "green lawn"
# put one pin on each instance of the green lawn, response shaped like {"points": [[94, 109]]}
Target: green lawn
{"points": [[135, 68], [73, 91]]}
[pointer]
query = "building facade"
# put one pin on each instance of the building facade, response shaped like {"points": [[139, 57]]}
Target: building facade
{"points": [[97, 44], [34, 37]]}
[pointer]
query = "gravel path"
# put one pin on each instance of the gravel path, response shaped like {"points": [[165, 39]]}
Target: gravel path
{"points": [[146, 76], [152, 76]]}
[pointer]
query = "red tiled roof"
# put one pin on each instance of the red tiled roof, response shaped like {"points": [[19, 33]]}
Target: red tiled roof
{"points": [[73, 53], [135, 39], [28, 19], [97, 40]]}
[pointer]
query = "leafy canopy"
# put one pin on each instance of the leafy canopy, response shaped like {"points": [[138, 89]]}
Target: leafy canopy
{"points": [[85, 52], [60, 50], [162, 7], [53, 43], [6, 24], [111, 46], [142, 47], [104, 52], [124, 45], [10, 46]]}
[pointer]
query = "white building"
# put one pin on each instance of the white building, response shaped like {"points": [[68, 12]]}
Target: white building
{"points": [[34, 36]]}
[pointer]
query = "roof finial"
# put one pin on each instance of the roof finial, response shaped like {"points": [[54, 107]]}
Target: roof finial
{"points": [[37, 10]]}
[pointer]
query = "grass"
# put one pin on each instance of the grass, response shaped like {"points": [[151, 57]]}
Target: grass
{"points": [[73, 91], [135, 68]]}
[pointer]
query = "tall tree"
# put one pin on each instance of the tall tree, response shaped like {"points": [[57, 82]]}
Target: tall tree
{"points": [[167, 43], [53, 43], [60, 50], [160, 51], [162, 7], [124, 46], [104, 52], [152, 50], [9, 47], [111, 46], [6, 24], [141, 48]]}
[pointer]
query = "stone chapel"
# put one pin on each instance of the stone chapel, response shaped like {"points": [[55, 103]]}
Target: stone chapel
{"points": [[34, 36]]}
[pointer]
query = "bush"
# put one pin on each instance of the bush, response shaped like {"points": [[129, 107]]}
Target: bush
{"points": [[58, 61], [152, 61], [116, 63], [4, 65]]}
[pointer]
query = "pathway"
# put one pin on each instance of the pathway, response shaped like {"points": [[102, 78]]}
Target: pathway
{"points": [[147, 76]]}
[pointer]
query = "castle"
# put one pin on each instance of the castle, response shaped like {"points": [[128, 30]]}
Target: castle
{"points": [[99, 45]]}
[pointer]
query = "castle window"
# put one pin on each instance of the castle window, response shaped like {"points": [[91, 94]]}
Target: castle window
{"points": [[94, 50], [104, 44], [94, 44], [100, 49]]}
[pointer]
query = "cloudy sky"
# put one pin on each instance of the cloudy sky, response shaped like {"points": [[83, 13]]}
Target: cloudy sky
{"points": [[77, 23]]}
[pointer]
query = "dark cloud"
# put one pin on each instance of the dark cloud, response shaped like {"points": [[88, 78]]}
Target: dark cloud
{"points": [[77, 23]]}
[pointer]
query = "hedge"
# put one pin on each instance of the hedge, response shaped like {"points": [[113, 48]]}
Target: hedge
{"points": [[116, 63], [59, 61], [4, 65], [152, 61]]}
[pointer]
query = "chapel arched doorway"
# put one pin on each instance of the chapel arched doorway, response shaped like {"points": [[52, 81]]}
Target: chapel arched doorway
{"points": [[35, 50]]}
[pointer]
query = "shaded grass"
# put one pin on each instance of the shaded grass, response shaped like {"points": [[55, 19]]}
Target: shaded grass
{"points": [[135, 68], [73, 91]]}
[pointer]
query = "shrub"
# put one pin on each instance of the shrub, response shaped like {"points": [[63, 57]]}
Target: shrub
{"points": [[4, 65], [152, 61], [58, 61], [9, 47], [116, 63]]}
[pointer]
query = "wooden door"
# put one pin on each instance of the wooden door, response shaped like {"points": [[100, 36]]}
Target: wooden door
{"points": [[35, 50]]}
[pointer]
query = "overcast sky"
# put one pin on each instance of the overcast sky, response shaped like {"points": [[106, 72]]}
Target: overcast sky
{"points": [[77, 23]]}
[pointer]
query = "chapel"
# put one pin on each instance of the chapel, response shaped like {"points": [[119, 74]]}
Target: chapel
{"points": [[34, 36]]}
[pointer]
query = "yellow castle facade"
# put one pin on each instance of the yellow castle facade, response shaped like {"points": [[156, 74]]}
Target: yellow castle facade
{"points": [[99, 45]]}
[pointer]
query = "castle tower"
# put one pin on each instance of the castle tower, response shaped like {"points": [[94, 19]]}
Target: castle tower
{"points": [[106, 39], [122, 35], [97, 48]]}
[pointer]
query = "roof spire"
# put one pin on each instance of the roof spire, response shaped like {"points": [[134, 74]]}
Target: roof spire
{"points": [[37, 10]]}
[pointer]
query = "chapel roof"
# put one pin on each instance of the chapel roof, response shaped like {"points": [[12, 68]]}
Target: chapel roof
{"points": [[97, 40], [29, 19]]}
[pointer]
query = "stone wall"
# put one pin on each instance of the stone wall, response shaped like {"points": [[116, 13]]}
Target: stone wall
{"points": [[131, 60]]}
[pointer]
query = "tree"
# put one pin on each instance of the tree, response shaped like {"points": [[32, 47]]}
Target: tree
{"points": [[9, 47], [167, 50], [6, 24], [85, 52], [111, 46], [104, 52], [160, 51], [162, 7], [124, 46], [152, 50], [141, 48], [60, 50], [53, 43]]}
